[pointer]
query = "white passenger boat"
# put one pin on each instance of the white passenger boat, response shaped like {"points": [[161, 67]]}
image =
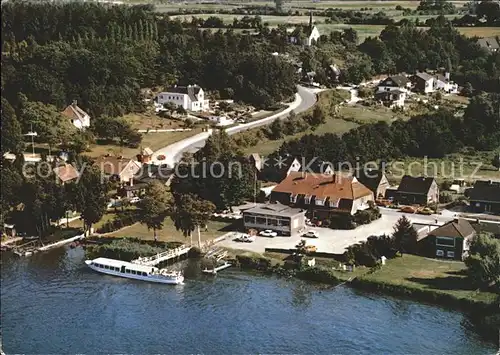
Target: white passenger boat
{"points": [[135, 271]]}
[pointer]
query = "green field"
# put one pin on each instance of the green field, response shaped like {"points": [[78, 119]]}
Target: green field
{"points": [[423, 274]]}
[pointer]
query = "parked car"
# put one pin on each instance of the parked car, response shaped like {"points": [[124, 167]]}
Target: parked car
{"points": [[311, 248], [135, 199], [408, 209], [268, 233], [310, 234]]}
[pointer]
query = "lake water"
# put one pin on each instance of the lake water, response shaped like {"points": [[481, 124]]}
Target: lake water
{"points": [[52, 303]]}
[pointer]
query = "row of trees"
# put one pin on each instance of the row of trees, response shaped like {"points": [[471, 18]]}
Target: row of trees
{"points": [[33, 198], [433, 135]]}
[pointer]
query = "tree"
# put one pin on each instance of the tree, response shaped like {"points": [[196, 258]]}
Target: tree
{"points": [[154, 206], [483, 262], [189, 213], [12, 139], [405, 236], [89, 196], [318, 116]]}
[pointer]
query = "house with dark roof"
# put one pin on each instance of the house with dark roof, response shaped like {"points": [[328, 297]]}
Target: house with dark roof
{"points": [[375, 180], [322, 194], [394, 82], [423, 83], [449, 241], [191, 97], [419, 190], [275, 216], [79, 118], [279, 168], [305, 34], [491, 44], [484, 196]]}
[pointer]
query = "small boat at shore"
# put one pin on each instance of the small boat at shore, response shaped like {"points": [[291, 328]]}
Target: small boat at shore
{"points": [[135, 271]]}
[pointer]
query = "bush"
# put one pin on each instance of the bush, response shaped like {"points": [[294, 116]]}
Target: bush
{"points": [[126, 249], [120, 221], [367, 216], [369, 253], [342, 221]]}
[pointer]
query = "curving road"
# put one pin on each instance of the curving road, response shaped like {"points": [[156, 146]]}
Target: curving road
{"points": [[305, 98]]}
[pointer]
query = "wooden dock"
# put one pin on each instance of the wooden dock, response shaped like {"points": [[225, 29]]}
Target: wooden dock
{"points": [[61, 242], [215, 270], [165, 256]]}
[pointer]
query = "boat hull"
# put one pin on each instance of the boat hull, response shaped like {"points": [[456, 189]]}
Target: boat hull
{"points": [[162, 280]]}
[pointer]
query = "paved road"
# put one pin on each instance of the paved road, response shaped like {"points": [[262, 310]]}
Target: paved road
{"points": [[304, 99]]}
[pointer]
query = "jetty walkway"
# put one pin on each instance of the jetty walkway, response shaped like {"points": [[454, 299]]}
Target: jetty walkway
{"points": [[165, 256]]}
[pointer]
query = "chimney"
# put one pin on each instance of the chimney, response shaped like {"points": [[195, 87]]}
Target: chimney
{"points": [[74, 103], [447, 76], [131, 181]]}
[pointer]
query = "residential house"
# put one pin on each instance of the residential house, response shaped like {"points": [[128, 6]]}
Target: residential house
{"points": [[79, 118], [191, 97], [491, 44], [66, 173], [417, 190], [445, 84], [322, 194], [279, 168], [392, 98], [423, 83], [145, 155], [306, 35], [449, 241], [275, 216], [375, 180], [118, 168], [395, 82], [484, 196]]}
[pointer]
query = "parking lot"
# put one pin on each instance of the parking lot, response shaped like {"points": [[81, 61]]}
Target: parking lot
{"points": [[333, 240]]}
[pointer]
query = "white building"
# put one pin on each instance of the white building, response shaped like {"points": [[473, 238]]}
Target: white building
{"points": [[79, 118], [310, 32], [395, 82], [190, 97], [446, 84]]}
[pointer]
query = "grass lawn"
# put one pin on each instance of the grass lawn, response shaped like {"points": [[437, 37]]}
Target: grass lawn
{"points": [[170, 234], [362, 114], [154, 141], [332, 125], [152, 121], [416, 272]]}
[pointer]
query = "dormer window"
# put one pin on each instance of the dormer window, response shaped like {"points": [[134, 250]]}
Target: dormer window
{"points": [[293, 198], [320, 202], [307, 199], [334, 203]]}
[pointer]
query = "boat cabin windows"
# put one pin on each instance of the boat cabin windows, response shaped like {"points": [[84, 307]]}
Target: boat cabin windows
{"points": [[133, 272], [106, 266]]}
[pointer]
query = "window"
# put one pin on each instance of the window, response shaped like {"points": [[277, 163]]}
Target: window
{"points": [[260, 220], [334, 203], [284, 222], [320, 202], [106, 266], [133, 272], [439, 252], [249, 219], [272, 222], [450, 254], [127, 271], [144, 274], [307, 199], [293, 198]]}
